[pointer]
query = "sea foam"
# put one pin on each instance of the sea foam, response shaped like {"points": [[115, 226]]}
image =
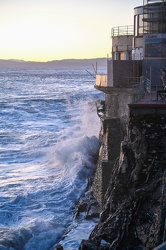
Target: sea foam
{"points": [[47, 161]]}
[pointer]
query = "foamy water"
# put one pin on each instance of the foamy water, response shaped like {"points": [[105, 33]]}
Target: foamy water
{"points": [[48, 143]]}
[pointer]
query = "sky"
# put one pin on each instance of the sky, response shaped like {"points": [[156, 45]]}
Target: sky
{"points": [[46, 30]]}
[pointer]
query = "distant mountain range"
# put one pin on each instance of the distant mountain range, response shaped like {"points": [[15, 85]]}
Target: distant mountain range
{"points": [[65, 63]]}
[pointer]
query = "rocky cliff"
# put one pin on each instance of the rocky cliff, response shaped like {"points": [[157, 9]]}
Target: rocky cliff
{"points": [[134, 207]]}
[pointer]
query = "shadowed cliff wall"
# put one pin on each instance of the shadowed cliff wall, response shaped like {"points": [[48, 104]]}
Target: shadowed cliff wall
{"points": [[133, 214], [112, 133]]}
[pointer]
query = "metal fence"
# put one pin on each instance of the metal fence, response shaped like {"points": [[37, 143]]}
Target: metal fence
{"points": [[141, 89]]}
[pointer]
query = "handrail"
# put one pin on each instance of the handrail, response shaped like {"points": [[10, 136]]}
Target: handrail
{"points": [[141, 89], [122, 31]]}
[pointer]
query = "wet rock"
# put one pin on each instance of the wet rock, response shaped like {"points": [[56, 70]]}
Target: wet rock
{"points": [[133, 212], [89, 245], [58, 247], [88, 205]]}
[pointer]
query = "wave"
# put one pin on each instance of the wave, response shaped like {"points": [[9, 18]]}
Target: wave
{"points": [[37, 206]]}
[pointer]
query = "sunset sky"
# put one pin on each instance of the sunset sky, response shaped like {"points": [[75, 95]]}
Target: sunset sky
{"points": [[45, 30]]}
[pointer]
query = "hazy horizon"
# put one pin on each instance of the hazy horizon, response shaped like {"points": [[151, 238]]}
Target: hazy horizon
{"points": [[43, 30], [64, 59], [69, 63]]}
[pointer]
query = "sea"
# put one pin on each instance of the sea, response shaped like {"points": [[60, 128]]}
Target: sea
{"points": [[49, 132]]}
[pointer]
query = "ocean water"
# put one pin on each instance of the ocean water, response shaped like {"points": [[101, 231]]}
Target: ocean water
{"points": [[48, 142]]}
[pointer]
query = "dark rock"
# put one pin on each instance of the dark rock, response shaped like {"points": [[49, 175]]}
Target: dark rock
{"points": [[58, 247], [88, 205], [133, 212], [89, 245]]}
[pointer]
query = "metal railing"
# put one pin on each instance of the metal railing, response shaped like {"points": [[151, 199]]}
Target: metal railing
{"points": [[141, 89], [123, 31]]}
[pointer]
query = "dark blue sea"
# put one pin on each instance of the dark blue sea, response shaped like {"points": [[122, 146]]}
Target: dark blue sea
{"points": [[48, 140]]}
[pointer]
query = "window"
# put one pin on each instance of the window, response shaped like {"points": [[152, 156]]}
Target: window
{"points": [[135, 25], [140, 25]]}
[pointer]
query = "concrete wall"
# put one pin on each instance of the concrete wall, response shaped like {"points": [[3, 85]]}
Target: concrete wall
{"points": [[110, 73], [116, 102], [122, 43], [112, 132], [112, 136], [120, 72]]}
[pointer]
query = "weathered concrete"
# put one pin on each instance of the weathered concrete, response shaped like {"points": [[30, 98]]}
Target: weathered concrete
{"points": [[111, 137], [112, 132], [121, 73], [122, 47]]}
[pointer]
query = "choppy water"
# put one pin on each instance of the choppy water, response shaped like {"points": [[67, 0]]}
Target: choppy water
{"points": [[48, 140]]}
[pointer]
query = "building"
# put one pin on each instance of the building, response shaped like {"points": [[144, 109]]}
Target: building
{"points": [[133, 76]]}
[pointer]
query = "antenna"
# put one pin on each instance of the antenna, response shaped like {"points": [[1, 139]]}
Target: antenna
{"points": [[94, 68], [90, 74]]}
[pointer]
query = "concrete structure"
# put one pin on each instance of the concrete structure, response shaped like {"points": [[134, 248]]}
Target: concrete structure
{"points": [[149, 30], [154, 39], [144, 42], [122, 42], [123, 73], [137, 46], [135, 201], [133, 76]]}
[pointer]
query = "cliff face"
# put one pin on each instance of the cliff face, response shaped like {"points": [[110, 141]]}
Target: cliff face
{"points": [[111, 132], [134, 207], [113, 119]]}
